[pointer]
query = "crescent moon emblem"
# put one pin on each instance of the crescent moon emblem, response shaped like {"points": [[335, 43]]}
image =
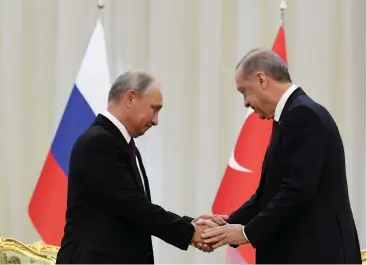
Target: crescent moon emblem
{"points": [[232, 163]]}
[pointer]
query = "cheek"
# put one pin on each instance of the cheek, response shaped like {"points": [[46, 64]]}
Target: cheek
{"points": [[147, 114], [251, 99]]}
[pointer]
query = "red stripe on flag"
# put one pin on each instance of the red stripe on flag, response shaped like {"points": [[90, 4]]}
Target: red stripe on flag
{"points": [[279, 46], [48, 205], [238, 186]]}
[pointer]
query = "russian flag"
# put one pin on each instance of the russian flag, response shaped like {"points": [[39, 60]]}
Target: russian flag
{"points": [[88, 97]]}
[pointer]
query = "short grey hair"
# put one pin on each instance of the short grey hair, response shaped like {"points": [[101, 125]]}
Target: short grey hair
{"points": [[267, 61], [138, 80]]}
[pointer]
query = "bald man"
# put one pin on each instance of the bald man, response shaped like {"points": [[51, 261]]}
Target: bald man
{"points": [[300, 213]]}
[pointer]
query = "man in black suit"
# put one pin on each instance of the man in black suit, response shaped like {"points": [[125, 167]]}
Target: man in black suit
{"points": [[300, 213], [110, 217]]}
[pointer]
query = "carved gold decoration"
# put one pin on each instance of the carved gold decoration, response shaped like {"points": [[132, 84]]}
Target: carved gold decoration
{"points": [[364, 256], [41, 247], [11, 260], [8, 245]]}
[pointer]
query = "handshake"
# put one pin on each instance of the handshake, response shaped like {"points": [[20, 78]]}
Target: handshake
{"points": [[213, 231]]}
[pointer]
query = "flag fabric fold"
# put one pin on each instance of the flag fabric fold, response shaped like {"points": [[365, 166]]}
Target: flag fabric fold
{"points": [[88, 97], [242, 175]]}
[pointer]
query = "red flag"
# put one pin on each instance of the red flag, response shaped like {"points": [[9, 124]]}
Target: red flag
{"points": [[243, 171]]}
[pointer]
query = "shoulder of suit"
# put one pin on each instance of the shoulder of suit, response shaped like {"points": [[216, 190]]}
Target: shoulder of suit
{"points": [[96, 134], [309, 110]]}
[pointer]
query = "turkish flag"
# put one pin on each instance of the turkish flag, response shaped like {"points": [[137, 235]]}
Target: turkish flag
{"points": [[242, 175]]}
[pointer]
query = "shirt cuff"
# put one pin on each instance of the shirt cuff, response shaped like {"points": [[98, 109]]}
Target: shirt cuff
{"points": [[243, 232]]}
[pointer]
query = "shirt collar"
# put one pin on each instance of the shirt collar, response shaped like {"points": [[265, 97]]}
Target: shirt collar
{"points": [[282, 101], [118, 124]]}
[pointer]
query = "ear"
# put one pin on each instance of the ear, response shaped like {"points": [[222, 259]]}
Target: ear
{"points": [[130, 95], [261, 77]]}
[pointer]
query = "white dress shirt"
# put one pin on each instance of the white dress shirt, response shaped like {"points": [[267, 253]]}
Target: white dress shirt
{"points": [[280, 106], [278, 111], [126, 135]]}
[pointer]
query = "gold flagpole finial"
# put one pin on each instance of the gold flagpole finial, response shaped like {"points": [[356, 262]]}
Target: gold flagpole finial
{"points": [[283, 6], [100, 4]]}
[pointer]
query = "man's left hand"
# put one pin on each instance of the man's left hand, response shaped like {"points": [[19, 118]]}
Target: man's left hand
{"points": [[224, 235], [216, 218]]}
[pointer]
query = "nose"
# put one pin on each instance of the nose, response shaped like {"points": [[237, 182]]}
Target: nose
{"points": [[247, 105], [155, 120]]}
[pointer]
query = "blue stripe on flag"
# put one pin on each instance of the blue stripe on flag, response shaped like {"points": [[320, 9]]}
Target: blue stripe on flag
{"points": [[77, 117]]}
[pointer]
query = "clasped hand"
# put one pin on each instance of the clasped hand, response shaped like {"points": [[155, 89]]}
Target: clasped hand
{"points": [[215, 232], [203, 223]]}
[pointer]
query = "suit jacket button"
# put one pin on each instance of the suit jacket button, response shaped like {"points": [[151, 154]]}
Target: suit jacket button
{"points": [[149, 253]]}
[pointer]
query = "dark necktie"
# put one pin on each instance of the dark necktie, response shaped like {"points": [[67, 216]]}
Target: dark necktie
{"points": [[132, 147], [273, 131], [275, 127], [135, 154]]}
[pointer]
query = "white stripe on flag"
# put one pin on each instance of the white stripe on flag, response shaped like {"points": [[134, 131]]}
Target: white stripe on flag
{"points": [[93, 77]]}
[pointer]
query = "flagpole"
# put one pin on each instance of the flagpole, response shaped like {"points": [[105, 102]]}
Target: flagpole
{"points": [[283, 6], [101, 5]]}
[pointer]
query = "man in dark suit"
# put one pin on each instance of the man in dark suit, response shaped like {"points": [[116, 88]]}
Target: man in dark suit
{"points": [[300, 213], [110, 217]]}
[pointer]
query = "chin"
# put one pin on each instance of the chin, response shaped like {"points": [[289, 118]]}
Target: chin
{"points": [[142, 132], [264, 117]]}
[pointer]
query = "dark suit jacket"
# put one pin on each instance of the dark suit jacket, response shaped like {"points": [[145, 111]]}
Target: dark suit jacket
{"points": [[110, 219], [301, 212]]}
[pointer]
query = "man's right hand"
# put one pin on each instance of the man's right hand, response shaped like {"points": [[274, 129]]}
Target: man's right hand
{"points": [[200, 227]]}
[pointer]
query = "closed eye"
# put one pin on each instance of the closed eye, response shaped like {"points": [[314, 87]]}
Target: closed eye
{"points": [[157, 108]]}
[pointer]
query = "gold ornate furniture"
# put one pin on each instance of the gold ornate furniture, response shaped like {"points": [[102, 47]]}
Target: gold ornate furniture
{"points": [[364, 256], [44, 249], [15, 252]]}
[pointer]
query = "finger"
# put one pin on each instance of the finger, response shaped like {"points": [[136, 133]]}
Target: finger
{"points": [[213, 240], [214, 231], [200, 221], [211, 224], [223, 216], [219, 244], [206, 248], [219, 220], [198, 245], [206, 222]]}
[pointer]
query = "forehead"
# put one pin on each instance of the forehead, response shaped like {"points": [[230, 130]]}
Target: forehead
{"points": [[154, 92], [239, 76]]}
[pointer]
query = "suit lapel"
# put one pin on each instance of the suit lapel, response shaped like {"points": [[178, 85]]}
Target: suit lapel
{"points": [[275, 133], [113, 130], [298, 92], [144, 175], [137, 173], [273, 139]]}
